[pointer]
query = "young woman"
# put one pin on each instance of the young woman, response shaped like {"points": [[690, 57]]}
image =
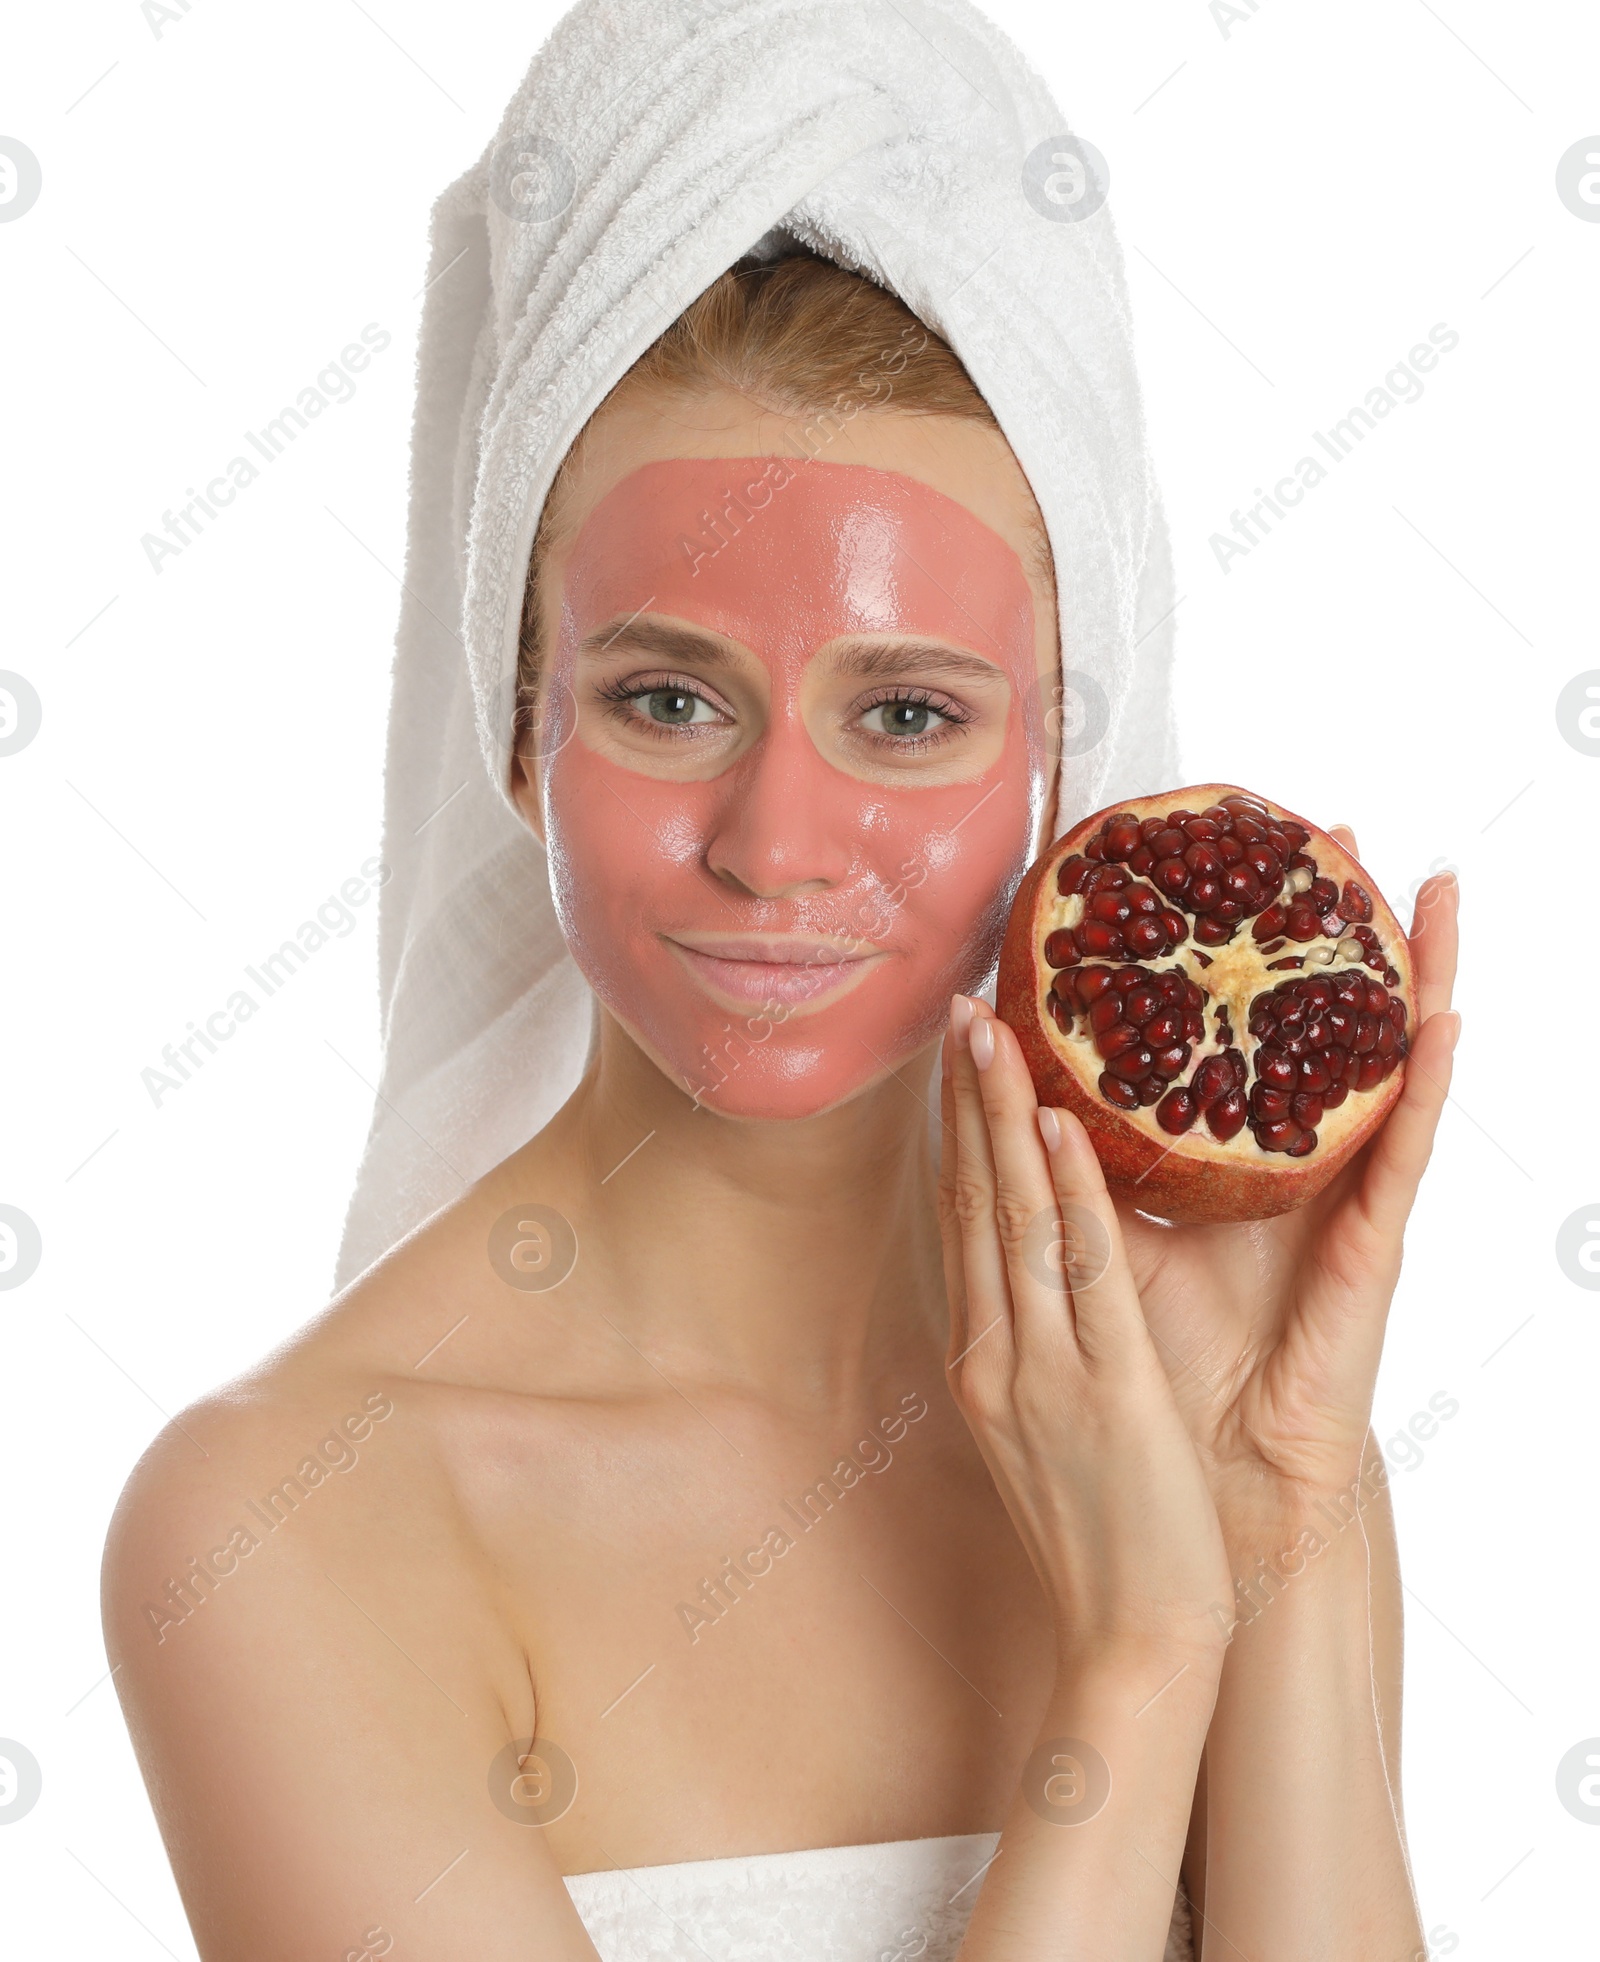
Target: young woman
{"points": [[710, 1535], [702, 1525]]}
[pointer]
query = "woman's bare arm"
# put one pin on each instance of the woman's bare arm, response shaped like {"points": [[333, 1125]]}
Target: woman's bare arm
{"points": [[1069, 1404], [317, 1736]]}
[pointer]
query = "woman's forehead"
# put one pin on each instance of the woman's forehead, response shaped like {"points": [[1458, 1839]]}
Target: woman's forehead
{"points": [[782, 554]]}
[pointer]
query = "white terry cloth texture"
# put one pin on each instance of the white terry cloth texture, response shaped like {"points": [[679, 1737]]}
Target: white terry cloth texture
{"points": [[653, 144], [902, 1897]]}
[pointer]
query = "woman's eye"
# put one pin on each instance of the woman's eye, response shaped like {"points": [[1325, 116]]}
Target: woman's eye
{"points": [[903, 719], [675, 707]]}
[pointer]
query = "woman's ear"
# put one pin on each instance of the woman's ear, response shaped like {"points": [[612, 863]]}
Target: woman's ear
{"points": [[525, 792]]}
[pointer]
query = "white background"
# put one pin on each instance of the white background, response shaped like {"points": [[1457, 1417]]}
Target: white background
{"points": [[1301, 199]]}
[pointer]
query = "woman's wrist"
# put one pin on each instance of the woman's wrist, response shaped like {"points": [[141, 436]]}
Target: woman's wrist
{"points": [[1264, 1515], [1134, 1670]]}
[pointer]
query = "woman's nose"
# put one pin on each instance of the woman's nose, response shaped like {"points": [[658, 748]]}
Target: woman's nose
{"points": [[787, 822]]}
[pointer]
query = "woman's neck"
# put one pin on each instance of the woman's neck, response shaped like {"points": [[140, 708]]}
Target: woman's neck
{"points": [[799, 1258]]}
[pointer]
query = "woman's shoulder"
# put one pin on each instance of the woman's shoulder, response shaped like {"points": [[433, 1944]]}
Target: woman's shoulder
{"points": [[330, 1448]]}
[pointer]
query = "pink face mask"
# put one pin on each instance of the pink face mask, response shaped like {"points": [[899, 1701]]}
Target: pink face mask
{"points": [[779, 846]]}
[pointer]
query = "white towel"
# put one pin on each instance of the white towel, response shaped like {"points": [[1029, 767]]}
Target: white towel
{"points": [[652, 144]]}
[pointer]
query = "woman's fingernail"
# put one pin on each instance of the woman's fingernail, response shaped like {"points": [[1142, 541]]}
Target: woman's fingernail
{"points": [[1049, 1128], [980, 1039], [1455, 1033], [960, 1017]]}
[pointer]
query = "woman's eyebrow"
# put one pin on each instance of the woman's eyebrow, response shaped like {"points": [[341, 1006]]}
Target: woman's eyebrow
{"points": [[878, 660], [665, 638]]}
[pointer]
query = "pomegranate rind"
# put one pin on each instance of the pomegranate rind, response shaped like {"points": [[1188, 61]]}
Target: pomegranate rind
{"points": [[1190, 1178]]}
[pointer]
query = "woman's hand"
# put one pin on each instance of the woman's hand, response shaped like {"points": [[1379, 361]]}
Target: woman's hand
{"points": [[1052, 1366], [1271, 1332]]}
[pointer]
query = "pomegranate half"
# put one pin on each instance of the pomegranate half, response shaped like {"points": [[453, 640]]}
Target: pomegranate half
{"points": [[1219, 991]]}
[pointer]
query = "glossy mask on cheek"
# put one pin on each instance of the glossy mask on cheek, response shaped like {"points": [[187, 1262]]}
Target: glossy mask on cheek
{"points": [[783, 927]]}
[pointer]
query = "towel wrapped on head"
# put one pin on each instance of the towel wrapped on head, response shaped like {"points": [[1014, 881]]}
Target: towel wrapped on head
{"points": [[652, 145]]}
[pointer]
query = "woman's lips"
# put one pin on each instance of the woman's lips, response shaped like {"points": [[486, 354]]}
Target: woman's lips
{"points": [[793, 972]]}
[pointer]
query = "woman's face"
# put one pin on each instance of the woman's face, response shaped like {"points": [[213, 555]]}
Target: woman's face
{"points": [[792, 752]]}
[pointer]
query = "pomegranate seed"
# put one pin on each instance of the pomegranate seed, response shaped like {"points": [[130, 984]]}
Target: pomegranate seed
{"points": [[1131, 1064], [1115, 1091], [1302, 921], [1145, 936], [1332, 1099], [1355, 903], [1091, 984], [1151, 1088], [1074, 871], [1106, 1011], [1276, 1069], [1387, 1038], [1140, 861], [1109, 906], [1172, 876], [1278, 1134], [1242, 882], [1203, 959], [1268, 1103], [1142, 1003], [1176, 1111], [1117, 1041], [1059, 950], [1194, 1025], [1151, 827], [1391, 975], [1176, 925], [1305, 1109], [1121, 835], [1162, 1030], [1297, 834], [1213, 1079], [1370, 1074], [1268, 924], [1092, 850], [1096, 937], [1324, 894], [1203, 859], [1225, 1119], [1173, 1060], [1289, 960], [1229, 850], [1303, 1146], [1169, 842], [1212, 932]]}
